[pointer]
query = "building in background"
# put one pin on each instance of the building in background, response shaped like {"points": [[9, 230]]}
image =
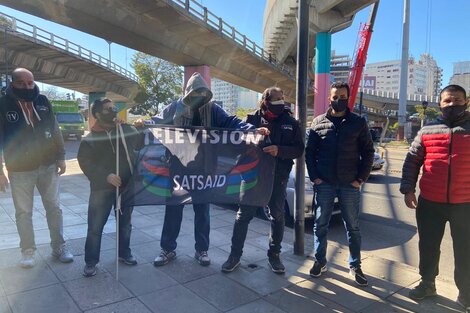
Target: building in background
{"points": [[340, 66], [424, 76], [232, 96], [461, 75]]}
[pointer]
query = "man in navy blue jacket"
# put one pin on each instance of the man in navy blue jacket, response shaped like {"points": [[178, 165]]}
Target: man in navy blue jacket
{"points": [[33, 148]]}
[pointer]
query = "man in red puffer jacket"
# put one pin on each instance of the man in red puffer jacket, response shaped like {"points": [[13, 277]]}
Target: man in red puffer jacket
{"points": [[444, 150]]}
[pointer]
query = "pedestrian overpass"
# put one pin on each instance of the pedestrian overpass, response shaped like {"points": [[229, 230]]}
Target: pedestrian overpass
{"points": [[57, 61]]}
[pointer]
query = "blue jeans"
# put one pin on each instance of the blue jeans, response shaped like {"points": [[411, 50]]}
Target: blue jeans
{"points": [[172, 226], [100, 204], [349, 198], [46, 180]]}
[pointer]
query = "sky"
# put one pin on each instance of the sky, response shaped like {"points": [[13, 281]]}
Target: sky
{"points": [[435, 27]]}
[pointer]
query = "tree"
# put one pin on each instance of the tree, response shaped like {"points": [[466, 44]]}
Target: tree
{"points": [[159, 82], [431, 112], [52, 93]]}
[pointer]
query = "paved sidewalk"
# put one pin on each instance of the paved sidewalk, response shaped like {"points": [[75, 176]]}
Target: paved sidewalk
{"points": [[183, 285]]}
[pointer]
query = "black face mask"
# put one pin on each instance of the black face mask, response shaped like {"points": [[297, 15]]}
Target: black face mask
{"points": [[339, 105], [276, 109], [109, 117], [26, 94], [453, 113], [195, 102]]}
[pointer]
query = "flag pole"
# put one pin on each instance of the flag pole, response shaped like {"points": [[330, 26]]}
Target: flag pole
{"points": [[118, 203]]}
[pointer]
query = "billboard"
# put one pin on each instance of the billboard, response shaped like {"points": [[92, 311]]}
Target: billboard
{"points": [[369, 82]]}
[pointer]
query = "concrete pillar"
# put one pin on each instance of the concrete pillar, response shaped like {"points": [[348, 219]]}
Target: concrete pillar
{"points": [[122, 110], [204, 70], [92, 96], [322, 73]]}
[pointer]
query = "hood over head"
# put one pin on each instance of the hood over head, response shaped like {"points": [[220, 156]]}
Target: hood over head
{"points": [[196, 83]]}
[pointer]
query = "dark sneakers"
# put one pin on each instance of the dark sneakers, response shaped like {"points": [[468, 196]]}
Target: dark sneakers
{"points": [[202, 257], [130, 260], [89, 270], [359, 277], [276, 264], [423, 290], [317, 269], [164, 258], [231, 264]]}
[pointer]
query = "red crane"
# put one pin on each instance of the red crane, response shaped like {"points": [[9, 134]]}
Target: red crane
{"points": [[360, 57]]}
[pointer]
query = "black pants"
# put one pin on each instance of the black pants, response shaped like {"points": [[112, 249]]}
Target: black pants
{"points": [[276, 209], [431, 218], [100, 205], [172, 226]]}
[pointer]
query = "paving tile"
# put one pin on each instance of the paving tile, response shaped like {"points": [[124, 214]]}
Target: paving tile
{"points": [[126, 306], [218, 223], [430, 305], [340, 290], [43, 300], [8, 227], [176, 299], [153, 231], [296, 299], [145, 220], [78, 208], [67, 271], [9, 257], [258, 306], [96, 291], [256, 280], [222, 292], [147, 251], [4, 306], [75, 231], [137, 237], [251, 253], [8, 241], [385, 307], [144, 278], [185, 269], [16, 279]]}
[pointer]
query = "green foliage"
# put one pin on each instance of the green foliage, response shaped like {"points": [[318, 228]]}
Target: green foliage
{"points": [[160, 82], [242, 113], [431, 113], [5, 22]]}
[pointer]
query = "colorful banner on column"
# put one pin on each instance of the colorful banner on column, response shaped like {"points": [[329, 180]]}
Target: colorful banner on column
{"points": [[196, 165]]}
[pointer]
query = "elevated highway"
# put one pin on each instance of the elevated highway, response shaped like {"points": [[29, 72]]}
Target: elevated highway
{"points": [[57, 61], [183, 32]]}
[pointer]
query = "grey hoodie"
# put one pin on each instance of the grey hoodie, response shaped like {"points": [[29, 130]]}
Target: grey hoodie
{"points": [[178, 112]]}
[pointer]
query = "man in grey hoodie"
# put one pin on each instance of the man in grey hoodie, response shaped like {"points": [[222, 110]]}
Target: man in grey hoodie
{"points": [[195, 108]]}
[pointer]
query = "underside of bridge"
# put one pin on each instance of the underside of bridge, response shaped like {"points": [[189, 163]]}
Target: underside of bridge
{"points": [[60, 68]]}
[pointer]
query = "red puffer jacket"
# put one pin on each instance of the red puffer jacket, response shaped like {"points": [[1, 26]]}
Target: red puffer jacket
{"points": [[445, 153]]}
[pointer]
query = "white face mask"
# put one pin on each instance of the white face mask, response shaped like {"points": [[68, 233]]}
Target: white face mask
{"points": [[277, 102]]}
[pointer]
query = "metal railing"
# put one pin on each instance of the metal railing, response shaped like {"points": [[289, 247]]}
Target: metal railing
{"points": [[39, 34], [216, 23], [395, 95]]}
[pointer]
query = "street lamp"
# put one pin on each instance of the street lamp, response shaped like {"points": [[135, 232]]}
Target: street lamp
{"points": [[424, 104], [109, 52]]}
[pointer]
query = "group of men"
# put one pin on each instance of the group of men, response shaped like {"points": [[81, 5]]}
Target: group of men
{"points": [[339, 154]]}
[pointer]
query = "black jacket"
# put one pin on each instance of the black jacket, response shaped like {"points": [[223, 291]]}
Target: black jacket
{"points": [[285, 133], [339, 155], [24, 147], [97, 156]]}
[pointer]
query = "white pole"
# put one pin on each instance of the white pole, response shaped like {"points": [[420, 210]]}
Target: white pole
{"points": [[118, 204]]}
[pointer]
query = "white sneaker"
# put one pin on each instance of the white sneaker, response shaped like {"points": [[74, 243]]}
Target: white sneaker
{"points": [[27, 260]]}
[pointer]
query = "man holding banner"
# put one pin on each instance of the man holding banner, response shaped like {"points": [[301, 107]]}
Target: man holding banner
{"points": [[286, 144], [195, 108], [97, 159]]}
